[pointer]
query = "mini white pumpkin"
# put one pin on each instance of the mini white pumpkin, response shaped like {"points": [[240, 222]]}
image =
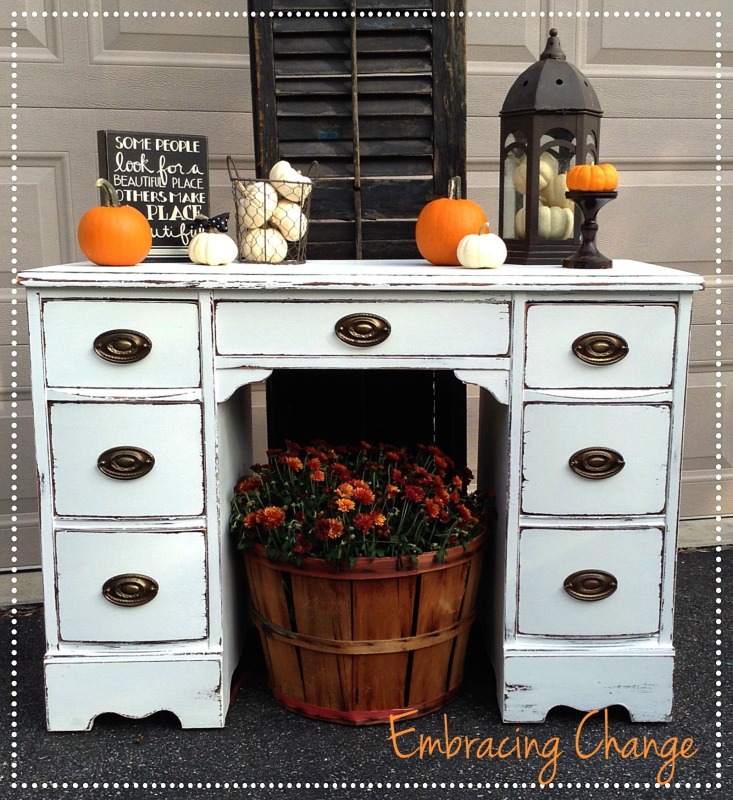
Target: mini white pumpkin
{"points": [[212, 249], [548, 170], [256, 200], [554, 193], [290, 184], [481, 250], [264, 245], [290, 220], [552, 222]]}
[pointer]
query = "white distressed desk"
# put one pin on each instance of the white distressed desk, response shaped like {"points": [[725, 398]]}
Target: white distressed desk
{"points": [[140, 381]]}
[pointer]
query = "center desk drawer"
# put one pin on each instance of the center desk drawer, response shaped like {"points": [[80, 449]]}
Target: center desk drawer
{"points": [[124, 459], [121, 344], [391, 328]]}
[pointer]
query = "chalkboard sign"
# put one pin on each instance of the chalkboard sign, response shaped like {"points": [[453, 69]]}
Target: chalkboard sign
{"points": [[163, 175]]}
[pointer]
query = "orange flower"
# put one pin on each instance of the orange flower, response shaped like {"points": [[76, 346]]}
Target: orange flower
{"points": [[392, 490], [344, 504], [362, 493], [344, 490], [250, 520], [328, 528], [364, 522], [465, 514], [433, 508], [293, 462], [271, 517], [318, 475], [250, 484], [414, 493]]}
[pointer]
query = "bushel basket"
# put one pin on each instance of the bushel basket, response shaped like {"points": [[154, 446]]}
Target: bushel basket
{"points": [[358, 645]]}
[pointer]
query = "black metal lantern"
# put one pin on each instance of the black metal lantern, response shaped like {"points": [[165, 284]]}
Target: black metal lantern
{"points": [[550, 121]]}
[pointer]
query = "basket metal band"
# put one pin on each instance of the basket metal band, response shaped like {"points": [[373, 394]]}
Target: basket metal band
{"points": [[364, 647]]}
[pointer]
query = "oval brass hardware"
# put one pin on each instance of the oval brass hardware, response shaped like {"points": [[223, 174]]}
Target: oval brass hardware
{"points": [[125, 463], [596, 463], [122, 346], [130, 589], [600, 348], [363, 330], [590, 585]]}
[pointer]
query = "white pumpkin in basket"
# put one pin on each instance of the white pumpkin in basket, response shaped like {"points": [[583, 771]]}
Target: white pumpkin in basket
{"points": [[290, 220], [264, 246], [290, 184], [256, 200]]}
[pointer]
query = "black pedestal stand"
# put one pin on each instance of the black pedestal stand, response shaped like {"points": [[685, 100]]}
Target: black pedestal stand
{"points": [[588, 257]]}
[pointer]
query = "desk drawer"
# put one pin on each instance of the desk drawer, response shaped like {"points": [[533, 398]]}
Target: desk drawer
{"points": [[630, 559], [596, 483], [121, 345], [123, 437], [156, 583], [470, 328], [589, 345]]}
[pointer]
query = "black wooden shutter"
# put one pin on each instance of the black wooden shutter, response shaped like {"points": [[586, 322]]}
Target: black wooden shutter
{"points": [[375, 92]]}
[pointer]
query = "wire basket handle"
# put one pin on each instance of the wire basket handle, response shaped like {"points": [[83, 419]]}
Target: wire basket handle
{"points": [[232, 168], [312, 172]]}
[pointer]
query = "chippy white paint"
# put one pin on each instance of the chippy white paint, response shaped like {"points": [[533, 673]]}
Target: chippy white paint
{"points": [[215, 331]]}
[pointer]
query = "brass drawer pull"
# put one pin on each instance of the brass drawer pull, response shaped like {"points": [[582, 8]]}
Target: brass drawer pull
{"points": [[125, 463], [122, 346], [130, 589], [590, 585], [363, 330], [596, 463], [600, 348]]}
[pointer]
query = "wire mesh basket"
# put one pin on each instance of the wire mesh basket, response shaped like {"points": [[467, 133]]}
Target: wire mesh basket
{"points": [[272, 215]]}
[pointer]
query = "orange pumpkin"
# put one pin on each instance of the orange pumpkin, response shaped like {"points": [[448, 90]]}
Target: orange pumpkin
{"points": [[592, 178], [113, 235], [444, 222]]}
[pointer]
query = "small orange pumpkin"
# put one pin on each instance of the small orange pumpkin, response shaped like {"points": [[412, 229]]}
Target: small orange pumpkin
{"points": [[592, 178], [113, 235], [444, 222]]}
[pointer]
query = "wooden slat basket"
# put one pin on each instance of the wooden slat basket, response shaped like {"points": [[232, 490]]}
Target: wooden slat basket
{"points": [[359, 645]]}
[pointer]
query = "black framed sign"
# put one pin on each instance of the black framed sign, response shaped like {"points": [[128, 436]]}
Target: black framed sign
{"points": [[165, 176]]}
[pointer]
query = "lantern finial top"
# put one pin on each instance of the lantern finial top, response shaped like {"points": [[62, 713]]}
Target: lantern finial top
{"points": [[552, 48]]}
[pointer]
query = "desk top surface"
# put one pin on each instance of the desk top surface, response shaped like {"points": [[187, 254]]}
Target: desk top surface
{"points": [[364, 275]]}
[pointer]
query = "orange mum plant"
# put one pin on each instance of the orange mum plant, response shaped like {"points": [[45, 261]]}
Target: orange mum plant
{"points": [[339, 503]]}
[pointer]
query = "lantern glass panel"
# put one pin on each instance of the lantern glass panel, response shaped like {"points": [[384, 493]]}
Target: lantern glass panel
{"points": [[555, 212], [515, 162]]}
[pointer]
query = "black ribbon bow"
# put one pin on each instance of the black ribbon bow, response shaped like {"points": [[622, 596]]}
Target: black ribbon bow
{"points": [[219, 223]]}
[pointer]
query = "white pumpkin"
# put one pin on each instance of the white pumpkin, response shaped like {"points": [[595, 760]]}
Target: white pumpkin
{"points": [[264, 246], [290, 220], [548, 170], [552, 222], [290, 184], [212, 249], [481, 250], [256, 200], [554, 193]]}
